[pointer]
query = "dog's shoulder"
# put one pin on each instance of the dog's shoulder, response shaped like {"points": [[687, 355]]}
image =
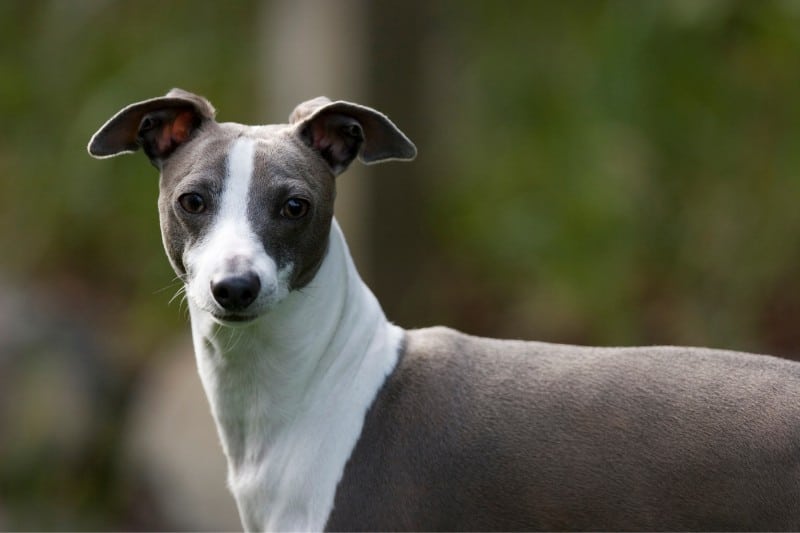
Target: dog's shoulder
{"points": [[444, 348], [439, 348], [441, 366]]}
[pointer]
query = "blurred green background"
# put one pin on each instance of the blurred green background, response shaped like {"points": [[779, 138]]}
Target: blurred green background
{"points": [[606, 172]]}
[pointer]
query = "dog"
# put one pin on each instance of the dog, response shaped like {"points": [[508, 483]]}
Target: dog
{"points": [[331, 417]]}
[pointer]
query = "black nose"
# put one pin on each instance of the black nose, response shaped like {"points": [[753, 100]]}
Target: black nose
{"points": [[236, 293]]}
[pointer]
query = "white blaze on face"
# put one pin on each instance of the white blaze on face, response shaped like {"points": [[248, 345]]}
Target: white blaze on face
{"points": [[235, 194], [231, 246]]}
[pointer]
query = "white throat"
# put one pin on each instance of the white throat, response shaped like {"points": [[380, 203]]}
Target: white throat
{"points": [[289, 391]]}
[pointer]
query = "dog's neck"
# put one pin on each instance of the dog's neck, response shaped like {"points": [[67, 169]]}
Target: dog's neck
{"points": [[289, 392]]}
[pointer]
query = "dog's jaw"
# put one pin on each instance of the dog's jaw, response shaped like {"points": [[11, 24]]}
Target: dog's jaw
{"points": [[289, 391]]}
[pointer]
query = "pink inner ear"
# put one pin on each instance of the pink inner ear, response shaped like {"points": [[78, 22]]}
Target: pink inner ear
{"points": [[176, 132], [182, 127], [164, 140], [321, 140]]}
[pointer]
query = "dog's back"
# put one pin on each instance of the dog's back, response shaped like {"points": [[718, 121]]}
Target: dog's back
{"points": [[480, 434]]}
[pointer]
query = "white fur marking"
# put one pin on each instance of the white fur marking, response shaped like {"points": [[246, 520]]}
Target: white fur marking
{"points": [[289, 392], [237, 183]]}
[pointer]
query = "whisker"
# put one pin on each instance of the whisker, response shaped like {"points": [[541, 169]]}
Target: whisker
{"points": [[170, 285], [181, 292], [234, 339]]}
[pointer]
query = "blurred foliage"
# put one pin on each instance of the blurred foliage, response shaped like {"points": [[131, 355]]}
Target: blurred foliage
{"points": [[65, 67], [608, 172], [629, 170], [85, 234]]}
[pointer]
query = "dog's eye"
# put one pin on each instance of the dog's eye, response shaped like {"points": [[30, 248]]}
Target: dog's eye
{"points": [[295, 208], [192, 203]]}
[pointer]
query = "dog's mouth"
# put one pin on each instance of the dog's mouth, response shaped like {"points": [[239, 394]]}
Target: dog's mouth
{"points": [[233, 319]]}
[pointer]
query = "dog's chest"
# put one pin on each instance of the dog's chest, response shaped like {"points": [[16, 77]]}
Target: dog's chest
{"points": [[288, 477], [288, 429]]}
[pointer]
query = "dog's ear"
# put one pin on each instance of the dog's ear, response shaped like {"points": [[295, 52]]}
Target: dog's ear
{"points": [[158, 126], [340, 131]]}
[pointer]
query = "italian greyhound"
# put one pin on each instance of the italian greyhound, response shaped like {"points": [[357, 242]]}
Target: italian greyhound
{"points": [[333, 418]]}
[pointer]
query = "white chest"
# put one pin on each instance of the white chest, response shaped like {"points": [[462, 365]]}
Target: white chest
{"points": [[288, 462], [289, 394]]}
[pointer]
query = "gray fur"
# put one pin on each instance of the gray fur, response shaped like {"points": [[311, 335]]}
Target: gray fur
{"points": [[480, 434]]}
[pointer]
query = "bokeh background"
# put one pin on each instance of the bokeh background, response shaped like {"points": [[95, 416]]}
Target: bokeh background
{"points": [[605, 172]]}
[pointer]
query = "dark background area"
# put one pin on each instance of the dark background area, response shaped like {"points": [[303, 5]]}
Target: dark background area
{"points": [[607, 172]]}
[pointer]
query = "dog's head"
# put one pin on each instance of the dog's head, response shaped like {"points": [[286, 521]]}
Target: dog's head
{"points": [[246, 210]]}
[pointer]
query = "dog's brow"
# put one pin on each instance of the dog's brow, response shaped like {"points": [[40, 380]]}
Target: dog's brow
{"points": [[238, 178]]}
